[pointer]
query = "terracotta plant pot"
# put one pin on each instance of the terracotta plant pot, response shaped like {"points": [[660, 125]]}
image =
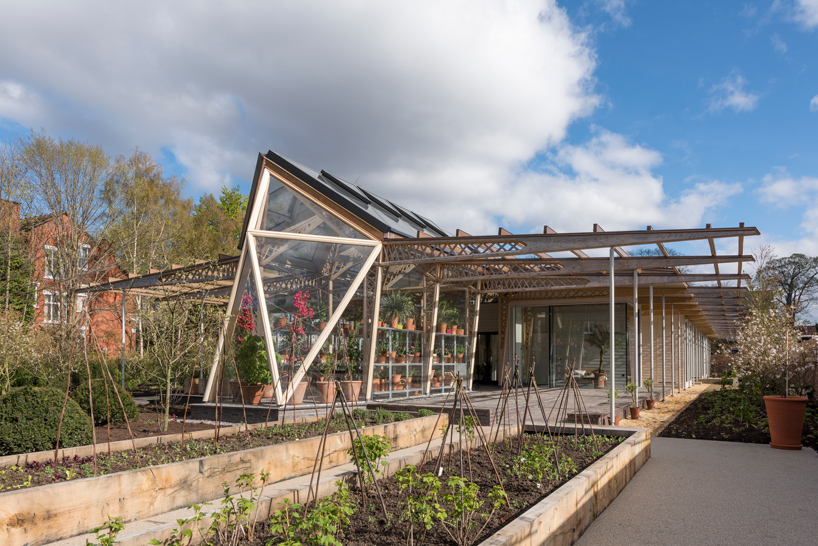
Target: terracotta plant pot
{"points": [[252, 394], [410, 324], [453, 328], [616, 421], [380, 359], [394, 354], [400, 360], [461, 332], [351, 390], [298, 395], [437, 382], [393, 322], [634, 412], [380, 324], [650, 403], [460, 357], [396, 378], [786, 418], [441, 328], [599, 380], [325, 391], [282, 321], [322, 324]]}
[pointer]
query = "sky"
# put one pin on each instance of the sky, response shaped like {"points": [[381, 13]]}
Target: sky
{"points": [[475, 113]]}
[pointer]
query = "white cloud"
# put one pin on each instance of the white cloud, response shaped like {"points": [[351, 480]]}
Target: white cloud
{"points": [[611, 182], [782, 190], [616, 10], [806, 12], [778, 44], [731, 93], [447, 96], [813, 104]]}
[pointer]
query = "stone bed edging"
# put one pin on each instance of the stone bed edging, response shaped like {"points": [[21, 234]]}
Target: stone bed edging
{"points": [[21, 459], [36, 516], [562, 517], [559, 519]]}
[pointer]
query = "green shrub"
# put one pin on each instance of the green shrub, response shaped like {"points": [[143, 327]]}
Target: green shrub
{"points": [[402, 416], [423, 412], [29, 417], [383, 416], [24, 378], [100, 409]]}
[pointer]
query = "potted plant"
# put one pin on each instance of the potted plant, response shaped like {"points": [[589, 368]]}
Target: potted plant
{"points": [[633, 388], [396, 307], [321, 315], [382, 353], [601, 339], [785, 413], [446, 312], [400, 358], [650, 402], [327, 371], [253, 368], [461, 353], [351, 383]]}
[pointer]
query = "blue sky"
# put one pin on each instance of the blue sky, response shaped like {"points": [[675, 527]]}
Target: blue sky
{"points": [[477, 113]]}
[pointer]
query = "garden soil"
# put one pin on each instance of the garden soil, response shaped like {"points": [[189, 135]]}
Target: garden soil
{"points": [[663, 413]]}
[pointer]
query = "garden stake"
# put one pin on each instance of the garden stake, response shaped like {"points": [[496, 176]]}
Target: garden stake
{"points": [[499, 398], [525, 412], [366, 457], [193, 374], [437, 422], [484, 441], [319, 461], [119, 398], [64, 401], [354, 451], [516, 383], [108, 410], [241, 390], [91, 403], [438, 463], [504, 398], [545, 427]]}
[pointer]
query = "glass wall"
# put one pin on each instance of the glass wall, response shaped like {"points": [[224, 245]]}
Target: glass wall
{"points": [[551, 339]]}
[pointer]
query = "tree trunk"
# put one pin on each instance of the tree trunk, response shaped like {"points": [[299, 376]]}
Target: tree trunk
{"points": [[164, 426]]}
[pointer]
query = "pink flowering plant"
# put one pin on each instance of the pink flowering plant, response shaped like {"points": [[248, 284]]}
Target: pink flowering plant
{"points": [[251, 352]]}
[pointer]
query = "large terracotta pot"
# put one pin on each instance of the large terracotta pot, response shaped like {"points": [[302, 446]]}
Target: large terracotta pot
{"points": [[351, 390], [410, 324], [325, 391], [650, 403], [599, 380], [634, 412], [441, 328], [252, 394], [786, 418], [400, 360], [298, 395], [380, 359]]}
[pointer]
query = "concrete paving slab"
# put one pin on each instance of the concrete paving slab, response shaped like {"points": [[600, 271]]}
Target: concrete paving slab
{"points": [[697, 492]]}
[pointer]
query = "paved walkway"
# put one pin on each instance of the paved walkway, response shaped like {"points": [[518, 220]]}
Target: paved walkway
{"points": [[699, 492]]}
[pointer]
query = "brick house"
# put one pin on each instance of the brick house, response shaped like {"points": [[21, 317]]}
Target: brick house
{"points": [[63, 261]]}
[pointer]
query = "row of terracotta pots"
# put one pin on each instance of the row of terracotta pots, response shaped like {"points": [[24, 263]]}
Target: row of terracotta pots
{"points": [[393, 323]]}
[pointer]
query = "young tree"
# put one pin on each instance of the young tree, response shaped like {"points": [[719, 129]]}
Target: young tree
{"points": [[217, 224], [67, 178], [149, 217], [175, 344], [15, 263]]}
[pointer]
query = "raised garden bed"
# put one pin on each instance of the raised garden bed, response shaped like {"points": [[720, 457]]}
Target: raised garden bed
{"points": [[729, 416], [558, 518], [37, 515]]}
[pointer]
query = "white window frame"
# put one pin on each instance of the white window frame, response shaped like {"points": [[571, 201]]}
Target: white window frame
{"points": [[50, 307], [82, 265], [36, 287], [82, 301], [51, 260]]}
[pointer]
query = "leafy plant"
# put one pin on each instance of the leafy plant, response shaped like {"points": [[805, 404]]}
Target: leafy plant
{"points": [[29, 417], [397, 306], [375, 448], [423, 412], [106, 534], [648, 383], [321, 525], [632, 388]]}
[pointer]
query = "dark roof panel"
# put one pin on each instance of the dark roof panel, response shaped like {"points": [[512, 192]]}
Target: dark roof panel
{"points": [[378, 212]]}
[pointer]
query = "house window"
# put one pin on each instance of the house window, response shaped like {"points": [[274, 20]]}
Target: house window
{"points": [[82, 262], [35, 287], [52, 262], [81, 299], [51, 307]]}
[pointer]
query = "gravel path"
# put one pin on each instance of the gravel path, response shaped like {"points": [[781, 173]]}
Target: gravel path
{"points": [[664, 412]]}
